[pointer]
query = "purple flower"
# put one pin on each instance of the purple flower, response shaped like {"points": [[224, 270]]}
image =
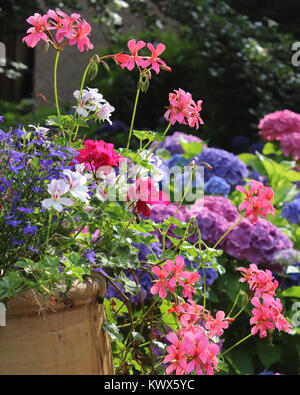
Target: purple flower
{"points": [[30, 229], [224, 164], [90, 255], [291, 211], [217, 186]]}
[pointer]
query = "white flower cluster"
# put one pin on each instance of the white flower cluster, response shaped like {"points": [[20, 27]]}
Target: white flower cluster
{"points": [[91, 101], [74, 185]]}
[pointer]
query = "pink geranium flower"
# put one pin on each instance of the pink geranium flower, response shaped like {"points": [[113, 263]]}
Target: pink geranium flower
{"points": [[257, 201], [183, 109], [155, 62], [216, 326], [80, 36], [38, 31], [144, 193], [69, 30], [175, 355], [261, 319], [161, 285]]}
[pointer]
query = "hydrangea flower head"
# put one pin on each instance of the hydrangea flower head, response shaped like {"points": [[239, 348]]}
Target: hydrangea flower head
{"points": [[224, 164]]}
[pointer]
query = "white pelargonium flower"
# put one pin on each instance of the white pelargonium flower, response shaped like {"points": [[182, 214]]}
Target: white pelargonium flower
{"points": [[104, 111], [57, 188], [77, 185], [90, 100]]}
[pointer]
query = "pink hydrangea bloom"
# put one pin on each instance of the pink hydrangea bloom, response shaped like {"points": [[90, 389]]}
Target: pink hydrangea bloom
{"points": [[279, 123], [290, 145], [256, 243]]}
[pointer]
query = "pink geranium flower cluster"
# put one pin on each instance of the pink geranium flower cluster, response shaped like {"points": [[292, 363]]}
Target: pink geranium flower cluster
{"points": [[172, 275], [191, 350], [283, 126], [58, 29], [257, 200], [183, 109], [142, 62], [267, 312], [144, 193]]}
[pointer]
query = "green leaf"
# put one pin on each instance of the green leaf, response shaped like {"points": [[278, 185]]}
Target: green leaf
{"points": [[247, 158], [242, 362], [191, 149], [149, 135], [268, 353], [167, 318], [292, 292]]}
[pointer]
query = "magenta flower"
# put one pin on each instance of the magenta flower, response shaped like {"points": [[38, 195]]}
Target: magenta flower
{"points": [[96, 154], [69, 30], [202, 353]]}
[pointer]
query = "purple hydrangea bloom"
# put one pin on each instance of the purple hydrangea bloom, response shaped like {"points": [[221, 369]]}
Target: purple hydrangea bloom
{"points": [[178, 160], [224, 164], [291, 211], [217, 186]]}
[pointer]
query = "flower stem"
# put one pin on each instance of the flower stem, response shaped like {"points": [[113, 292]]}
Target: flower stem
{"points": [[229, 230], [48, 231], [55, 82], [133, 116], [164, 234], [80, 92], [236, 344]]}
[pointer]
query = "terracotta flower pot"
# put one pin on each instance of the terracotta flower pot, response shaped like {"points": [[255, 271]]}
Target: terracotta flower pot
{"points": [[56, 335]]}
